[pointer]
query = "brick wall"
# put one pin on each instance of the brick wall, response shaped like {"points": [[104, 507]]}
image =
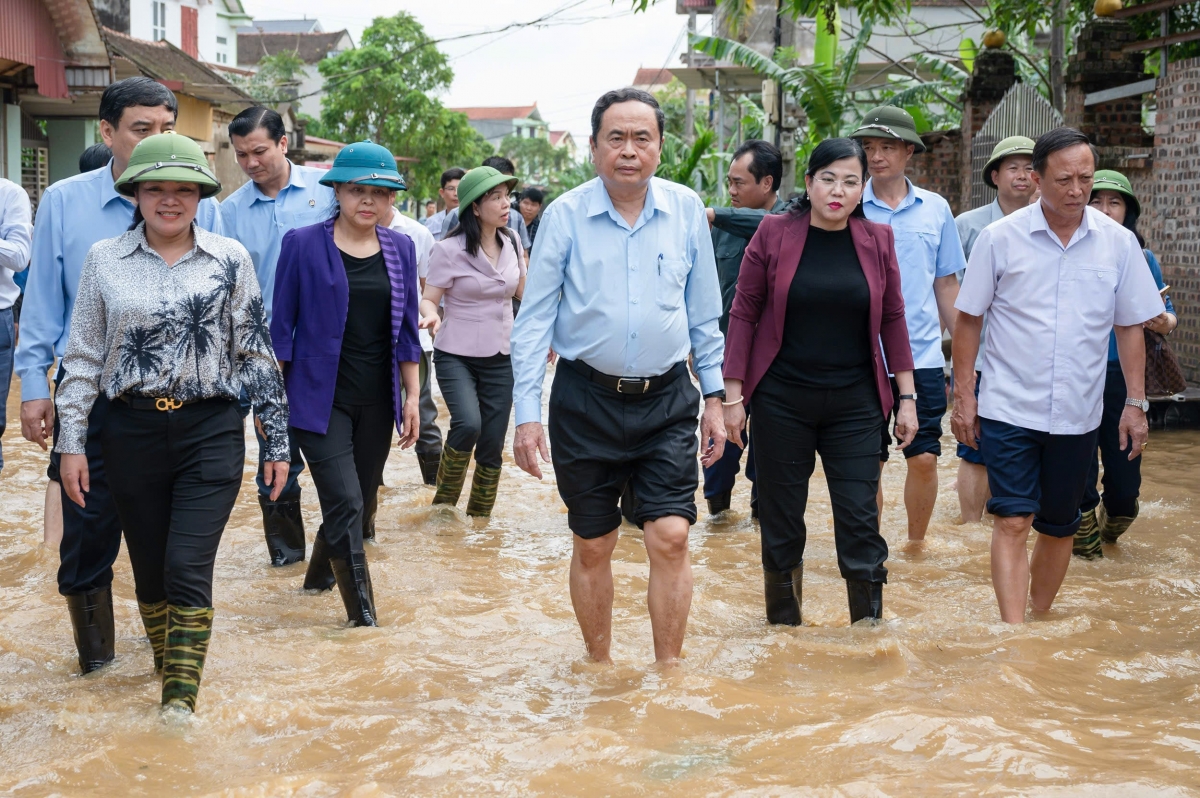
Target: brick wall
{"points": [[1099, 63], [939, 168]]}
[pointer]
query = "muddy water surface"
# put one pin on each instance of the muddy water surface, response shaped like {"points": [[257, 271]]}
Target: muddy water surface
{"points": [[476, 682]]}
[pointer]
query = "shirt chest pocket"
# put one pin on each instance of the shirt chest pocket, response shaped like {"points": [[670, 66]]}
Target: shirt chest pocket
{"points": [[920, 243], [669, 282], [290, 220], [1094, 289]]}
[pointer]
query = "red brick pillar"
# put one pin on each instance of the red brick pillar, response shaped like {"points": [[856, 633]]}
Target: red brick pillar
{"points": [[994, 74], [1098, 64]]}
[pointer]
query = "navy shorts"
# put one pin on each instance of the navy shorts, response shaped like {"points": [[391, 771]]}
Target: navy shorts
{"points": [[1036, 473], [931, 406], [966, 452]]}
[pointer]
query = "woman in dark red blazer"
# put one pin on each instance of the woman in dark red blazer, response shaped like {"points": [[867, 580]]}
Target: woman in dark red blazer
{"points": [[819, 289]]}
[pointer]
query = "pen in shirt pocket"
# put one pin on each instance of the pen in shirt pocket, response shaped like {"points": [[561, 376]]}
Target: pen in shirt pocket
{"points": [[660, 257]]}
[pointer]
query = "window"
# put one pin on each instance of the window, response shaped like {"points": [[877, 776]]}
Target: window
{"points": [[159, 10], [222, 40], [222, 58]]}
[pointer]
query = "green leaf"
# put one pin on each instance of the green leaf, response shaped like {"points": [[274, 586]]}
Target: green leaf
{"points": [[966, 53]]}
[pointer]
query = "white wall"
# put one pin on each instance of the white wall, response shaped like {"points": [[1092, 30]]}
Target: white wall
{"points": [[213, 21]]}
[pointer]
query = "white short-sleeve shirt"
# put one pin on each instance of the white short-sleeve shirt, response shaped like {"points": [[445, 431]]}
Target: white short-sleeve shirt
{"points": [[423, 242], [1050, 309]]}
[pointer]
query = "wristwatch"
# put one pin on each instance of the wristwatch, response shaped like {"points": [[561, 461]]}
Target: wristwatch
{"points": [[1140, 404], [716, 395], [904, 396]]}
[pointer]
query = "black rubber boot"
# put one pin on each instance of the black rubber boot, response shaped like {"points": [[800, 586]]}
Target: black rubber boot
{"points": [[866, 600], [284, 527], [429, 466], [720, 503], [92, 620], [354, 583], [319, 575], [785, 594]]}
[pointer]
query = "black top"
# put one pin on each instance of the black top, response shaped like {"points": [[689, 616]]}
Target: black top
{"points": [[826, 343], [364, 372]]}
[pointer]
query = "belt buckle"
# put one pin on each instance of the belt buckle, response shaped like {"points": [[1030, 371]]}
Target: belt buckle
{"points": [[164, 404], [643, 383]]}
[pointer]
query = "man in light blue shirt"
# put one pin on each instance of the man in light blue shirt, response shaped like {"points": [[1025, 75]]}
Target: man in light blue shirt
{"points": [[624, 286], [930, 256], [72, 216], [280, 196], [15, 233]]}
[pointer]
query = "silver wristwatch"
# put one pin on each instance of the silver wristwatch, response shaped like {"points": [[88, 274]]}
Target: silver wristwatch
{"points": [[1140, 404]]}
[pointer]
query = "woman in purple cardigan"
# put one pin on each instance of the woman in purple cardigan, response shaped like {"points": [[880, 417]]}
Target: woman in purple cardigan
{"points": [[818, 290], [344, 326]]}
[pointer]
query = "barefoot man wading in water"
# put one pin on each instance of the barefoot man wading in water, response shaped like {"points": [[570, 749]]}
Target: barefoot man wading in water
{"points": [[623, 285]]}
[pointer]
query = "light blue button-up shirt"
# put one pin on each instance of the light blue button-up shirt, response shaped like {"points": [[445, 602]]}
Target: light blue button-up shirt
{"points": [[927, 247], [259, 222], [73, 215], [628, 301]]}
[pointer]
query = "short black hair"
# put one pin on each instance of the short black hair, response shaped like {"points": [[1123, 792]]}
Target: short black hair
{"points": [[1059, 139], [453, 173], [256, 117], [611, 98], [500, 164], [94, 157], [767, 161], [533, 195], [135, 91]]}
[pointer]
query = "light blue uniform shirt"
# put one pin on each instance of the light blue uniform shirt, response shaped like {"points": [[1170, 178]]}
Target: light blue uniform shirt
{"points": [[628, 301], [73, 215], [927, 247], [259, 222]]}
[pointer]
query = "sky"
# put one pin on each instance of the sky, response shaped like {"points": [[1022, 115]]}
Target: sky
{"points": [[589, 47]]}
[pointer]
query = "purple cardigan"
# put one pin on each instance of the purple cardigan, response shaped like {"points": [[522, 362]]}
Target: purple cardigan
{"points": [[308, 318]]}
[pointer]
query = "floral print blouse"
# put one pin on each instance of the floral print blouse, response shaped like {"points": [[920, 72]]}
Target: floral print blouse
{"points": [[195, 330]]}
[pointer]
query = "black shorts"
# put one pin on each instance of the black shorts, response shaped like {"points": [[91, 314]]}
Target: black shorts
{"points": [[965, 452], [930, 385], [601, 440]]}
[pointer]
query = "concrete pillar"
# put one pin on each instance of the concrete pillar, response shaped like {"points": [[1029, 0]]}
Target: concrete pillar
{"points": [[994, 73], [68, 139], [1099, 64], [10, 137]]}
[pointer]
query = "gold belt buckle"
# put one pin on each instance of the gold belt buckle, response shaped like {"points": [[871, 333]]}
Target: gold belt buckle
{"points": [[167, 404]]}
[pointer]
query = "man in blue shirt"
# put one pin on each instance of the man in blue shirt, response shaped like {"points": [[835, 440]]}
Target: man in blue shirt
{"points": [[72, 216], [624, 287], [280, 196], [930, 255]]}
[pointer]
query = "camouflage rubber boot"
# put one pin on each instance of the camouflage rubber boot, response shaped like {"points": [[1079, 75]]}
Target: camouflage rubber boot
{"points": [[188, 631], [452, 474], [1087, 538], [483, 490], [154, 619], [1113, 526]]}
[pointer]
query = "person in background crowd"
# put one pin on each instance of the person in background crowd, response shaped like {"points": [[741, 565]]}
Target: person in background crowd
{"points": [[1104, 522], [1054, 278], [430, 209], [623, 287], [478, 269], [1010, 172], [816, 377], [930, 257], [449, 194], [168, 325], [280, 196], [515, 221], [345, 330], [530, 207], [753, 181], [94, 157], [16, 233], [429, 441], [73, 215]]}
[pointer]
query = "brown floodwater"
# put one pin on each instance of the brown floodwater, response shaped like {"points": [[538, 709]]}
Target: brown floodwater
{"points": [[476, 682]]}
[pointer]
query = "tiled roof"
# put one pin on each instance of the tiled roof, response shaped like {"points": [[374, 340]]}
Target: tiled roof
{"points": [[499, 112], [311, 47], [165, 62], [652, 77]]}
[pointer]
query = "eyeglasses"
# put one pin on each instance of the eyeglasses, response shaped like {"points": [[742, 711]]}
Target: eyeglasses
{"points": [[850, 183]]}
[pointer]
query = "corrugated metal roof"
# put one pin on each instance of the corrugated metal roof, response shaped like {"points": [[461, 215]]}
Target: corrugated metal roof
{"points": [[28, 36]]}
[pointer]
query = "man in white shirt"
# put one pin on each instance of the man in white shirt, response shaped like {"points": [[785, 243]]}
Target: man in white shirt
{"points": [[16, 235], [449, 194], [1053, 279]]}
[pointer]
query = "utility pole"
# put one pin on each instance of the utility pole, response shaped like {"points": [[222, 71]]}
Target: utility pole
{"points": [[778, 88], [689, 103], [1058, 45]]}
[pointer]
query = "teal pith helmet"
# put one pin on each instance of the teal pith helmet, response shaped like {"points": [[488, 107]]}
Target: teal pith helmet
{"points": [[889, 122], [1111, 180], [168, 156], [1013, 145], [365, 163]]}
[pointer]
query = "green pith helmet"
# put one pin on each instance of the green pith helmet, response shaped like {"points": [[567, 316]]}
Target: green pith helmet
{"points": [[479, 181], [889, 122], [365, 163], [1013, 145], [168, 156], [1109, 180]]}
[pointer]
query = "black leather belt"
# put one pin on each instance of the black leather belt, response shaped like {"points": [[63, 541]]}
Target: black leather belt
{"points": [[162, 403], [627, 385]]}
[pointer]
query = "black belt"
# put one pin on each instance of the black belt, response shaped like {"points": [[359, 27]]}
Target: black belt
{"points": [[627, 385], [162, 403]]}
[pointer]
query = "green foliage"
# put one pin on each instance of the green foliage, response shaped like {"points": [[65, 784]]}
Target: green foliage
{"points": [[276, 81], [383, 91], [535, 159]]}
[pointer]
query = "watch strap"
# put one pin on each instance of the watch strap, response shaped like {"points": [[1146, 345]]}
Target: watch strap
{"points": [[912, 396]]}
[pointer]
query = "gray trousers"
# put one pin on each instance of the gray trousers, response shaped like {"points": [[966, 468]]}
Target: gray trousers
{"points": [[429, 442]]}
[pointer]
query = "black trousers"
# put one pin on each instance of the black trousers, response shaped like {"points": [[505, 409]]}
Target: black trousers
{"points": [[478, 392], [91, 537], [175, 477], [1122, 476], [347, 469], [792, 425]]}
